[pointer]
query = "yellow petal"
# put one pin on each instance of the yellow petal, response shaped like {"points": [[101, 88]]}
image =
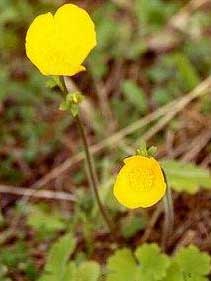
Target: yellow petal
{"points": [[140, 182], [132, 159], [59, 44]]}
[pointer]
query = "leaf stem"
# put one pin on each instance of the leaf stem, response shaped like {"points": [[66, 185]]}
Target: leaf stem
{"points": [[169, 214], [91, 168]]}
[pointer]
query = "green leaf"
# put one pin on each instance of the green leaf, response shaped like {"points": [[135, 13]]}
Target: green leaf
{"points": [[153, 13], [74, 109], [71, 103], [137, 48], [44, 222], [14, 255], [162, 96], [121, 266], [53, 81], [97, 65], [186, 177], [152, 151], [153, 264], [193, 263], [70, 272], [135, 95], [55, 268], [88, 271], [142, 149], [173, 273], [188, 73], [131, 225]]}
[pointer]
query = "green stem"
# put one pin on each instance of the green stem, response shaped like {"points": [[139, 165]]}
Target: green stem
{"points": [[64, 87], [169, 214], [92, 173], [91, 168]]}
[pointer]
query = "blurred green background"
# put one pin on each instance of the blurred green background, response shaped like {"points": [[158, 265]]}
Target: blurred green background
{"points": [[149, 54]]}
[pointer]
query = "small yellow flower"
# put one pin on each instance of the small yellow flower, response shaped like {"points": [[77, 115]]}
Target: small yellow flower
{"points": [[140, 182], [59, 44]]}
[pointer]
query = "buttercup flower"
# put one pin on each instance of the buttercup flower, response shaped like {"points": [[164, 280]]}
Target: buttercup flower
{"points": [[58, 44], [140, 182]]}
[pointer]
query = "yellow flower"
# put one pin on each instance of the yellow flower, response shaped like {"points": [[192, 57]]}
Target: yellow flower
{"points": [[59, 44], [140, 182]]}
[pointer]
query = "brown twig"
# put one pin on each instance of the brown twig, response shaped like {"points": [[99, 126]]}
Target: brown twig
{"points": [[29, 192], [197, 145]]}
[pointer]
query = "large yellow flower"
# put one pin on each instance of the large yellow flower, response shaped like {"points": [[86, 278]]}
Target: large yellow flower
{"points": [[140, 182], [59, 44]]}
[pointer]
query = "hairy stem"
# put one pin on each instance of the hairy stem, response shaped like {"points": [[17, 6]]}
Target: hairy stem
{"points": [[91, 168], [169, 215]]}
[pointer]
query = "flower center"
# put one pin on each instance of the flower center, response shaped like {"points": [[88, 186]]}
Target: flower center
{"points": [[141, 180]]}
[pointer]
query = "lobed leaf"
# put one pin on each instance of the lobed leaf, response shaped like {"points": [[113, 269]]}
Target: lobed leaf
{"points": [[153, 264], [121, 266], [88, 271], [193, 263], [70, 272], [55, 269], [173, 273]]}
